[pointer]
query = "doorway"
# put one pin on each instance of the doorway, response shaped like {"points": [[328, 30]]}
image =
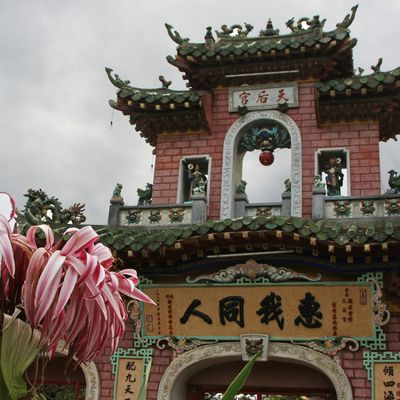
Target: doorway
{"points": [[272, 380], [291, 370]]}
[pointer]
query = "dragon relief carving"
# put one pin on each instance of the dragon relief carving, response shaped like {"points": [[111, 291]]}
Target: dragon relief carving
{"points": [[42, 209], [182, 344], [252, 270], [227, 32], [381, 312]]}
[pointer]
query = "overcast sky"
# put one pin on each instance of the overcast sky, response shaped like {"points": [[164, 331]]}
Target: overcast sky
{"points": [[55, 118]]}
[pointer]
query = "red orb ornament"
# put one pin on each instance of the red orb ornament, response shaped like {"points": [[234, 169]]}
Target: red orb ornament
{"points": [[266, 158]]}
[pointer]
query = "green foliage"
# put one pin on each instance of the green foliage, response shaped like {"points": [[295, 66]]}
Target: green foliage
{"points": [[19, 348], [240, 379]]}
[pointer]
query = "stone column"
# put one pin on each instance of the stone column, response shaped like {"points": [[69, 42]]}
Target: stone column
{"points": [[286, 203], [116, 203], [318, 201], [240, 205], [199, 208]]}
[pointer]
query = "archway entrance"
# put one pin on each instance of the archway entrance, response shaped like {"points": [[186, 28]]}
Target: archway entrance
{"points": [[233, 157], [268, 379], [291, 369]]}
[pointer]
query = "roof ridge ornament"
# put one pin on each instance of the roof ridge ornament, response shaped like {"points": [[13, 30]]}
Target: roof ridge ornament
{"points": [[269, 29], [348, 19], [240, 32], [165, 84], [360, 71], [175, 36], [377, 68], [313, 23], [116, 80]]}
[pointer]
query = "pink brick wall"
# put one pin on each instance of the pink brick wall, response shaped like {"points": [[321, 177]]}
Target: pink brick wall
{"points": [[361, 139], [172, 148]]}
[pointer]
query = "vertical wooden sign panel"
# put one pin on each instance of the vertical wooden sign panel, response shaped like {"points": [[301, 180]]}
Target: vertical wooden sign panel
{"points": [[387, 380], [129, 379]]}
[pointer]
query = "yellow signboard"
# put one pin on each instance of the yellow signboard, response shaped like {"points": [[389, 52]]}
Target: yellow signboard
{"points": [[386, 380], [129, 378], [289, 311]]}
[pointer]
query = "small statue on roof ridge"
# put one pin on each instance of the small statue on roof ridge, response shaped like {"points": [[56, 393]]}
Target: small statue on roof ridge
{"points": [[348, 19], [165, 84], [145, 195], [269, 29], [226, 32], [313, 23], [116, 196], [360, 71], [116, 80], [175, 36], [377, 67]]}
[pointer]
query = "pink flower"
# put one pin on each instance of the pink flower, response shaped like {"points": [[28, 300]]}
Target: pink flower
{"points": [[69, 292]]}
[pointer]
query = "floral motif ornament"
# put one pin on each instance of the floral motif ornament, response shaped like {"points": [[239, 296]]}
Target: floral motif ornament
{"points": [[253, 270], [182, 344], [381, 313], [331, 345], [176, 215]]}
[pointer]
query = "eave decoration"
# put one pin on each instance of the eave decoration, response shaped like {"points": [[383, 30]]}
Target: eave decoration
{"points": [[252, 271]]}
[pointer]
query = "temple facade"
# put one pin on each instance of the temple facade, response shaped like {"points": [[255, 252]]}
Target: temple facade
{"points": [[310, 281]]}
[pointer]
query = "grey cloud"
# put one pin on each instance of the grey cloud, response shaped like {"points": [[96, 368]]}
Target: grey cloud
{"points": [[55, 131]]}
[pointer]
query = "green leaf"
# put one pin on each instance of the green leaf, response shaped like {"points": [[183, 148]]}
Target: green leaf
{"points": [[19, 348], [240, 379], [143, 387], [3, 388]]}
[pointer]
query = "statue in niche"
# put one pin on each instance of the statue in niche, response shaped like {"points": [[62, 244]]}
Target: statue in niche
{"points": [[198, 181], [334, 176]]}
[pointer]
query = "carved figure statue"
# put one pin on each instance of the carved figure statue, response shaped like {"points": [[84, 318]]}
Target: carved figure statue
{"points": [[198, 181], [288, 185], [117, 191], [312, 23], [334, 176], [242, 187], [226, 32], [394, 182], [145, 195], [116, 196], [41, 209]]}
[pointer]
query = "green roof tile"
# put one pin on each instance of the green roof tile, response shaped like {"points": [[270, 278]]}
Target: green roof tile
{"points": [[358, 82]]}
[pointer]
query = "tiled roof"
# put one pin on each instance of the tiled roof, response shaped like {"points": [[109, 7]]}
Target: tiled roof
{"points": [[358, 82], [161, 96], [237, 46], [337, 232], [306, 52]]}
